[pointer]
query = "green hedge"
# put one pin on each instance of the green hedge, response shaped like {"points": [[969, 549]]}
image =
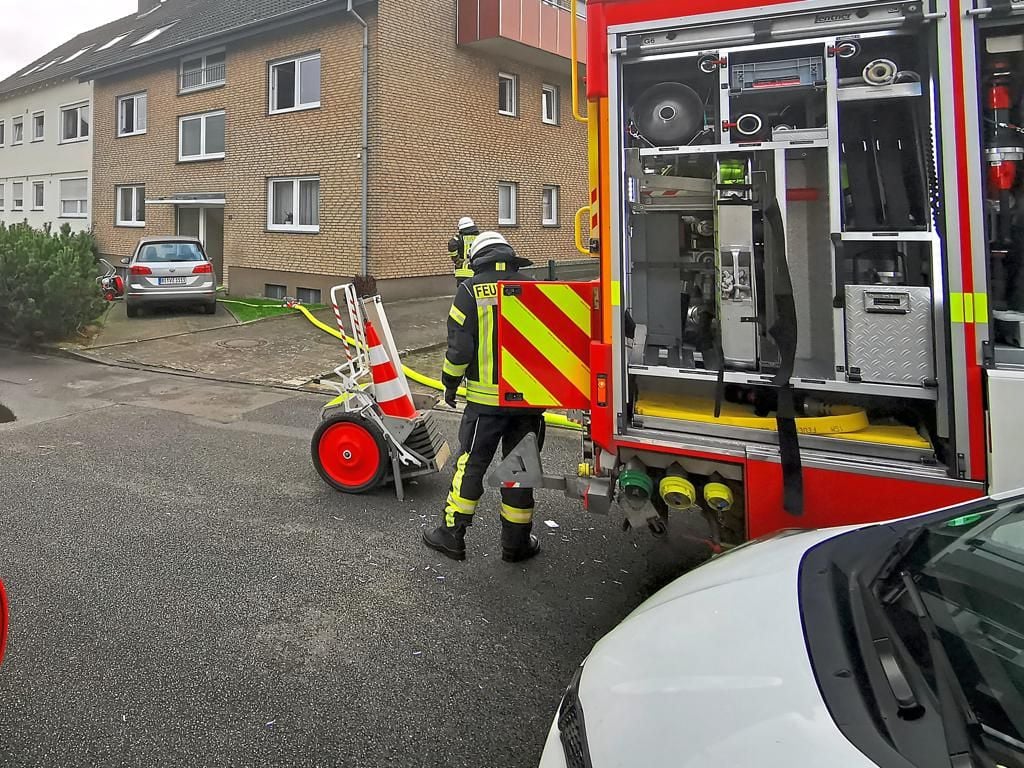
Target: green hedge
{"points": [[48, 284]]}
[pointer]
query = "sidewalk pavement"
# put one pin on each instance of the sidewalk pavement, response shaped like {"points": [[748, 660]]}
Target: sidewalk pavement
{"points": [[156, 324], [283, 351]]}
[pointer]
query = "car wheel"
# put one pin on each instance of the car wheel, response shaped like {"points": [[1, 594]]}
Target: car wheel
{"points": [[211, 308], [131, 309]]}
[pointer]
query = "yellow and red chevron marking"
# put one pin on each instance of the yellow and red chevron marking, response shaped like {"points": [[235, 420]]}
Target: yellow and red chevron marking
{"points": [[544, 334]]}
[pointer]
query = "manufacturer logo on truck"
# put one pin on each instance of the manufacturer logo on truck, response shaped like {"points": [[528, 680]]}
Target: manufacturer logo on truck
{"points": [[831, 18]]}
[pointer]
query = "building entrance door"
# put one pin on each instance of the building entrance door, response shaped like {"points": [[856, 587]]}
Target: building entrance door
{"points": [[206, 223]]}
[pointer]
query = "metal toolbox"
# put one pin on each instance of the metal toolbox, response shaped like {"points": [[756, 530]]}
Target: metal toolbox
{"points": [[889, 334]]}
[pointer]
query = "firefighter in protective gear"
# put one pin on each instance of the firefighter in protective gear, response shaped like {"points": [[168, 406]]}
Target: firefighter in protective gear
{"points": [[473, 354], [459, 247]]}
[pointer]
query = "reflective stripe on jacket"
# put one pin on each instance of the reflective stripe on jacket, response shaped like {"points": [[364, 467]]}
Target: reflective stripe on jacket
{"points": [[458, 250], [473, 336]]}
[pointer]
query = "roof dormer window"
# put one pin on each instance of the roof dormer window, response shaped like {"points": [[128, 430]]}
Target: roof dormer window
{"points": [[76, 54], [113, 42], [154, 33]]}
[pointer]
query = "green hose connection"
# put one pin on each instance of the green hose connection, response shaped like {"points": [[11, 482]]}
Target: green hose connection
{"points": [[636, 484]]}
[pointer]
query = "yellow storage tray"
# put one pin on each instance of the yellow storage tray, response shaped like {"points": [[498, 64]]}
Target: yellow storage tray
{"points": [[846, 422]]}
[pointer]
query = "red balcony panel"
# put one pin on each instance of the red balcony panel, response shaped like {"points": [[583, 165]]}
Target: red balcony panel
{"points": [[511, 19], [550, 18], [488, 19], [466, 29], [533, 31], [531, 24]]}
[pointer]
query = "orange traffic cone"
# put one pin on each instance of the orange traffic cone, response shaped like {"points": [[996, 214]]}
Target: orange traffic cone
{"points": [[392, 397]]}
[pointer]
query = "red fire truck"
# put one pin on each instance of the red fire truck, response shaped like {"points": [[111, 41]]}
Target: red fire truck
{"points": [[810, 227]]}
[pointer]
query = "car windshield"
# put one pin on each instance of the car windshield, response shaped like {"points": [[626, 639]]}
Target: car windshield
{"points": [[158, 253], [970, 572]]}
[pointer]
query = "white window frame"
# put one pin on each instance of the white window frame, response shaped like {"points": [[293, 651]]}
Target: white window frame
{"points": [[504, 77], [18, 121], [38, 200], [205, 83], [77, 106], [14, 196], [513, 219], [83, 209], [299, 105], [204, 155], [3, 200], [42, 134], [3, 132], [554, 117], [135, 107], [137, 189], [306, 228], [555, 192]]}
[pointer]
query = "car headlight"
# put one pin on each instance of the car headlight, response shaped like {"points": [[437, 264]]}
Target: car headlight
{"points": [[571, 727]]}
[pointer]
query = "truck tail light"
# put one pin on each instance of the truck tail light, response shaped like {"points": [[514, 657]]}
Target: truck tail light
{"points": [[602, 390]]}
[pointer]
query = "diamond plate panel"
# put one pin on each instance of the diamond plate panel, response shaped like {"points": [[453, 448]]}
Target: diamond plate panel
{"points": [[890, 343]]}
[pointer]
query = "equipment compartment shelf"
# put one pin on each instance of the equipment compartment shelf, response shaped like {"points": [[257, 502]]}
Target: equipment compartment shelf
{"points": [[752, 146], [817, 385], [878, 92], [917, 236]]}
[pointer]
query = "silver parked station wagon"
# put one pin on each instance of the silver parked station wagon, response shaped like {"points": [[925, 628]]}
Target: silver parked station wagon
{"points": [[170, 271]]}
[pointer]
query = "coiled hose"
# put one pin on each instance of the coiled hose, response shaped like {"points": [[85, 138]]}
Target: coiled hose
{"points": [[553, 419]]}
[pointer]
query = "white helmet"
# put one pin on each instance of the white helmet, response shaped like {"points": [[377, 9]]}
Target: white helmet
{"points": [[485, 240], [466, 223], [492, 248]]}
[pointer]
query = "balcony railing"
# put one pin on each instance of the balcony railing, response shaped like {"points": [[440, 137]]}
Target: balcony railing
{"points": [[567, 5], [214, 74]]}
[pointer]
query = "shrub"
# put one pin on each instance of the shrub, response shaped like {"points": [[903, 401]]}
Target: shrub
{"points": [[48, 284]]}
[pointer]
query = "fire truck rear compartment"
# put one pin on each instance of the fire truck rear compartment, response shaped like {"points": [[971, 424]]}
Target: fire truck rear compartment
{"points": [[782, 234]]}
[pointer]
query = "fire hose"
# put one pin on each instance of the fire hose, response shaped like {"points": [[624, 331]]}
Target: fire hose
{"points": [[553, 419]]}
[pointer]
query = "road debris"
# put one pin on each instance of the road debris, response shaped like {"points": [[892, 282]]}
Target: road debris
{"points": [[551, 524]]}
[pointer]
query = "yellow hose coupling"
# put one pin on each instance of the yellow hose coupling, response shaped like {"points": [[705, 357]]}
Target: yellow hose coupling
{"points": [[677, 492], [718, 497]]}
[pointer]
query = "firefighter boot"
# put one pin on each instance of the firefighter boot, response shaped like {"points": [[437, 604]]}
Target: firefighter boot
{"points": [[517, 543], [450, 541]]}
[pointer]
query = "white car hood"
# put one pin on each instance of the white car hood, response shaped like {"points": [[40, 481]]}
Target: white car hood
{"points": [[713, 671]]}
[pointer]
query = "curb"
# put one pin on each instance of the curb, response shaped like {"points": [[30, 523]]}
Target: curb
{"points": [[410, 350], [87, 358]]}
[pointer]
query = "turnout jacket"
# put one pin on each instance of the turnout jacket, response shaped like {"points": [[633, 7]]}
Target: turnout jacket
{"points": [[458, 250], [473, 336]]}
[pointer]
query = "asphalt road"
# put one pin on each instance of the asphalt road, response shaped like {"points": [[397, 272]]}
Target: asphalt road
{"points": [[187, 592]]}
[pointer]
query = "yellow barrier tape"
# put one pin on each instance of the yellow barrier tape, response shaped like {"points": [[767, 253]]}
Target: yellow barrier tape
{"points": [[554, 419]]}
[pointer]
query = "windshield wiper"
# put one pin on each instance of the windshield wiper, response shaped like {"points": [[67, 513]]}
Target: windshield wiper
{"points": [[958, 719], [899, 552]]}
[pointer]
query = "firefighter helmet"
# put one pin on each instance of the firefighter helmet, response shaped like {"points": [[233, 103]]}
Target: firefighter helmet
{"points": [[491, 248], [466, 223]]}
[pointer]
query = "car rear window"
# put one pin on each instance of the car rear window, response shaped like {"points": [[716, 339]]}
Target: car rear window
{"points": [[158, 253]]}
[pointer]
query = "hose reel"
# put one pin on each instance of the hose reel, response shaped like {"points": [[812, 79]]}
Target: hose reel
{"points": [[669, 114]]}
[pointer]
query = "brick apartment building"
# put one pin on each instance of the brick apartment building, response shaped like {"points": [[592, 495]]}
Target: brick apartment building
{"points": [[242, 121]]}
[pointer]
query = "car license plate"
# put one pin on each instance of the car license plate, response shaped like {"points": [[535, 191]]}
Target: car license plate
{"points": [[172, 281]]}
